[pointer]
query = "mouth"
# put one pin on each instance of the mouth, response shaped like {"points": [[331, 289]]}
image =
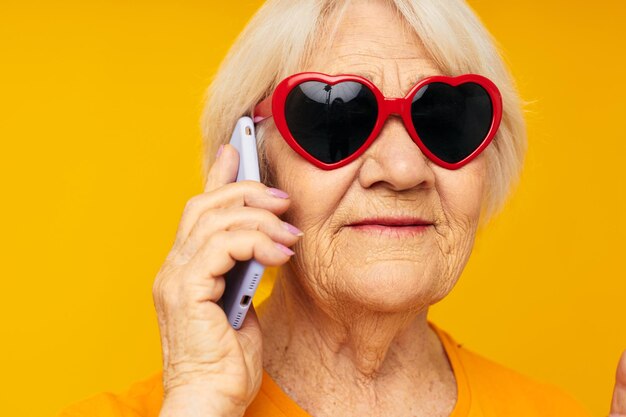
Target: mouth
{"points": [[392, 225]]}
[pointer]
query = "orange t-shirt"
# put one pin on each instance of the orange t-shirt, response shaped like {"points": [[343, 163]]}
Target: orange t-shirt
{"points": [[484, 388]]}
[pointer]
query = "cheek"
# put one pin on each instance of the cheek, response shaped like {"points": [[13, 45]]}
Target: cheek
{"points": [[316, 209], [315, 193], [461, 198], [461, 192]]}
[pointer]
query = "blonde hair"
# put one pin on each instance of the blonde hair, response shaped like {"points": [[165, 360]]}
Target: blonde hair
{"points": [[280, 40]]}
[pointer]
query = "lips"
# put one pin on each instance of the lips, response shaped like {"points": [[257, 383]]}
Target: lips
{"points": [[392, 222], [392, 227]]}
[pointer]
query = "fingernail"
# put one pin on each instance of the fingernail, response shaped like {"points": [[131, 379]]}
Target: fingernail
{"points": [[277, 193], [219, 151], [284, 249], [293, 229]]}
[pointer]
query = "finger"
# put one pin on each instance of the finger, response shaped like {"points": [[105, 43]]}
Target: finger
{"points": [[618, 404], [224, 169], [243, 193], [240, 218], [220, 252]]}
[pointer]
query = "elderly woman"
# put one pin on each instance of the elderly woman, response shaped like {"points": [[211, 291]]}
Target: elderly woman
{"points": [[388, 132]]}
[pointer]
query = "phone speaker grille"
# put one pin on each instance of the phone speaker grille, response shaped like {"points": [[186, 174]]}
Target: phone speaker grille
{"points": [[255, 280], [237, 319]]}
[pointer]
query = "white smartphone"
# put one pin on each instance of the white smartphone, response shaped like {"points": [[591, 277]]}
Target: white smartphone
{"points": [[243, 279]]}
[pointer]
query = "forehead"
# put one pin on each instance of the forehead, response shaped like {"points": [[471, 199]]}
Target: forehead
{"points": [[374, 41]]}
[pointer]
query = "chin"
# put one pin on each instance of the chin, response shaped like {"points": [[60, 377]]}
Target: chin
{"points": [[396, 286]]}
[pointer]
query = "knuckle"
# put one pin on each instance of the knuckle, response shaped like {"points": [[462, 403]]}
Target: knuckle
{"points": [[250, 184], [262, 217], [267, 251], [160, 291], [243, 242], [251, 218], [256, 236], [247, 187], [192, 203], [266, 216], [157, 284], [156, 290], [209, 290], [217, 239], [263, 243], [207, 218], [169, 294], [210, 285]]}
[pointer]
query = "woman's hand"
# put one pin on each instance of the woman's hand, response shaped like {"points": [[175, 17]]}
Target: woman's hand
{"points": [[210, 369], [618, 405]]}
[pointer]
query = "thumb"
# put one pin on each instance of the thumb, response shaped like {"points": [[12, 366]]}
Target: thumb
{"points": [[618, 405], [224, 169]]}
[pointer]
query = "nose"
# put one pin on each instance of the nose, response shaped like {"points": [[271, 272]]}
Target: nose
{"points": [[395, 161]]}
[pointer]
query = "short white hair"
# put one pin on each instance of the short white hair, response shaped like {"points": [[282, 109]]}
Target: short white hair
{"points": [[280, 40]]}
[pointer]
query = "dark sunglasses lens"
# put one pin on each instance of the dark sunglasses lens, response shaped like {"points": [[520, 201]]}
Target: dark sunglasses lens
{"points": [[452, 122], [331, 122]]}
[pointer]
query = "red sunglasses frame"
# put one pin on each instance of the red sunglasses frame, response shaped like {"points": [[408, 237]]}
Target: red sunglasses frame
{"points": [[386, 107]]}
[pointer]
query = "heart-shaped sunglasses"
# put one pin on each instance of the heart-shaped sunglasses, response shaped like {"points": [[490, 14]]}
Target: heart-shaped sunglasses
{"points": [[331, 120]]}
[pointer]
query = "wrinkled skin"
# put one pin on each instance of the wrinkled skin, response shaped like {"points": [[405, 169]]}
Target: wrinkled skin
{"points": [[362, 295]]}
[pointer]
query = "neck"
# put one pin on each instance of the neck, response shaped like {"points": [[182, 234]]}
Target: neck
{"points": [[315, 349]]}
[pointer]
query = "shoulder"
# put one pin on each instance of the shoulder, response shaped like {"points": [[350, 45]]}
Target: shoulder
{"points": [[500, 390], [509, 391], [142, 399]]}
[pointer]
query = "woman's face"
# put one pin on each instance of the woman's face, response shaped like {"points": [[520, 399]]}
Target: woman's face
{"points": [[385, 268]]}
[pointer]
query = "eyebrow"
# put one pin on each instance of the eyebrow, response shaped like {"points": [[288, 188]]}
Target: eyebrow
{"points": [[375, 78], [415, 78], [363, 73], [366, 74]]}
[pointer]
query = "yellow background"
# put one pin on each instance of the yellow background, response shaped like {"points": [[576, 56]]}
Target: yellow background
{"points": [[100, 150]]}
